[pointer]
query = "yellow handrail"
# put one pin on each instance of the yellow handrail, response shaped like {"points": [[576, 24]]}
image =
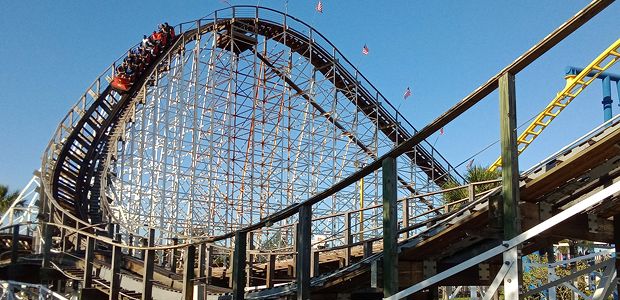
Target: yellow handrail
{"points": [[574, 86]]}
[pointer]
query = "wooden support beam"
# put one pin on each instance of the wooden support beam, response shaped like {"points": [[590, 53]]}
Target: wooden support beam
{"points": [[250, 259], [188, 272], [406, 216], [510, 179], [348, 238], [47, 245], [15, 244], [295, 232], [374, 274], [115, 283], [290, 271], [238, 274], [174, 255], [202, 271], [130, 243], [87, 281], [367, 249], [209, 262], [228, 265], [111, 230], [471, 193], [143, 242], [63, 235], [78, 241], [149, 264], [510, 162], [270, 270], [302, 265], [390, 228], [315, 264]]}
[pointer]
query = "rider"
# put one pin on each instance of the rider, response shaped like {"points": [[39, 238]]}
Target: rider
{"points": [[120, 71], [163, 35], [155, 38], [169, 30], [146, 43]]}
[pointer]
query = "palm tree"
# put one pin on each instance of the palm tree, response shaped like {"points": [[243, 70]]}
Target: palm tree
{"points": [[6, 198], [474, 174]]}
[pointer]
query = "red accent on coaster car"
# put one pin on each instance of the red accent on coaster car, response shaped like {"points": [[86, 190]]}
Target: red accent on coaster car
{"points": [[121, 83]]}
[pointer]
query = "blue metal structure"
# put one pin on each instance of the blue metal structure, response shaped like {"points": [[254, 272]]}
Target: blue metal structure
{"points": [[607, 78]]}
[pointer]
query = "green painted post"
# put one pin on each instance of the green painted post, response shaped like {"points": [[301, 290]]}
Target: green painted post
{"points": [[390, 228], [510, 162], [149, 264], [510, 179], [238, 274], [304, 252], [188, 272], [202, 271]]}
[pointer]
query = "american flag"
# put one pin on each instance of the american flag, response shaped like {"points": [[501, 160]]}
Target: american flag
{"points": [[365, 50], [319, 7], [407, 93], [470, 164]]}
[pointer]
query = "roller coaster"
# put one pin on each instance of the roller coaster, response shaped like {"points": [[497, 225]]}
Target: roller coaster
{"points": [[575, 84], [251, 160]]}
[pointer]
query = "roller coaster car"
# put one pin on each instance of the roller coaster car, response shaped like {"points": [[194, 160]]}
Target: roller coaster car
{"points": [[121, 84]]}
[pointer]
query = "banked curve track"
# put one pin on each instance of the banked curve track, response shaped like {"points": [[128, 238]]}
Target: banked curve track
{"points": [[76, 161]]}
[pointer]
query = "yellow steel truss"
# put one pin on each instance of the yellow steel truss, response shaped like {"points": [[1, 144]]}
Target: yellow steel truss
{"points": [[574, 86]]}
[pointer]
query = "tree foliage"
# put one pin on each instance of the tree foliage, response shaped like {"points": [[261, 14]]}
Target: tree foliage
{"points": [[536, 276], [6, 198], [476, 173]]}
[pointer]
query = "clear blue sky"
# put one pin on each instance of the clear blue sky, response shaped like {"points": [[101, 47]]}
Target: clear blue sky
{"points": [[52, 50]]}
